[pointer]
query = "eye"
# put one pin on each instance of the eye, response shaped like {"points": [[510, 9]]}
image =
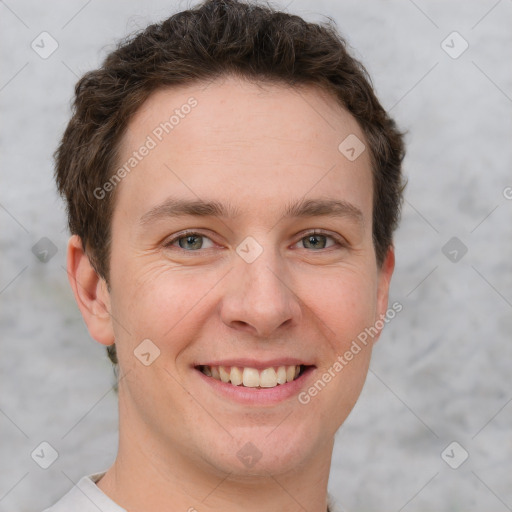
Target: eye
{"points": [[317, 240], [189, 241], [192, 241]]}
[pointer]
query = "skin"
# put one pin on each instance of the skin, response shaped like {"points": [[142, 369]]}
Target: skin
{"points": [[258, 148]]}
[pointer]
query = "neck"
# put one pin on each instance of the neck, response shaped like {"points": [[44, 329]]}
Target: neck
{"points": [[170, 478]]}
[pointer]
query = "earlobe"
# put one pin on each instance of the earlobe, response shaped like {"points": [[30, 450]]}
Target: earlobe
{"points": [[90, 291]]}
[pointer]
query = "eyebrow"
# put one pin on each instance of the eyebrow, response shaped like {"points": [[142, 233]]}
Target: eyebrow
{"points": [[175, 207]]}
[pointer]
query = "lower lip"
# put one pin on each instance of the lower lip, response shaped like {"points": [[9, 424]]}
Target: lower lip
{"points": [[258, 396]]}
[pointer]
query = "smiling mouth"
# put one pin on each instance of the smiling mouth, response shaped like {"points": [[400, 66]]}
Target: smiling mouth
{"points": [[253, 378]]}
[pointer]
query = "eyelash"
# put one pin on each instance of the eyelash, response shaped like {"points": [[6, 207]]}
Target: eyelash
{"points": [[339, 241]]}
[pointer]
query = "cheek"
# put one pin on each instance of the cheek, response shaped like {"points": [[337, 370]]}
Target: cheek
{"points": [[344, 307], [158, 303], [344, 303], [165, 307]]}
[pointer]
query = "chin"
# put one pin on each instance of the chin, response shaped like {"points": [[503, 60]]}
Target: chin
{"points": [[260, 452]]}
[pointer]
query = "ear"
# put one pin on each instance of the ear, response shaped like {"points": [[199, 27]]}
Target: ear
{"points": [[384, 279], [91, 293]]}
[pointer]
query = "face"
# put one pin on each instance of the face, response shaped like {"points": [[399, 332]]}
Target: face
{"points": [[276, 270]]}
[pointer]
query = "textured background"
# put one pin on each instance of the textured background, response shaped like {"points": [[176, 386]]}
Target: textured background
{"points": [[440, 372]]}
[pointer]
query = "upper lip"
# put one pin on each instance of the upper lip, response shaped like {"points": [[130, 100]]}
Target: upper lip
{"points": [[256, 363]]}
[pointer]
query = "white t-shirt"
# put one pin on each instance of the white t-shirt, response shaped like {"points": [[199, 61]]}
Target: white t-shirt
{"points": [[86, 496]]}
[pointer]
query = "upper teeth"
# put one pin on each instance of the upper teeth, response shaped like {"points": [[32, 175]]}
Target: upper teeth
{"points": [[251, 377]]}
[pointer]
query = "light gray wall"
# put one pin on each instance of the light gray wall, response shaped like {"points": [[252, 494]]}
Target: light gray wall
{"points": [[441, 370]]}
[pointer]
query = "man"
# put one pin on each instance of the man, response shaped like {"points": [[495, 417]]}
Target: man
{"points": [[232, 185]]}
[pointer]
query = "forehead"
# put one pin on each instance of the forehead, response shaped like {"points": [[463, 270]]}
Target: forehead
{"points": [[225, 103], [260, 143]]}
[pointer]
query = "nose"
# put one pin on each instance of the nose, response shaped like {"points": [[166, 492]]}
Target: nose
{"points": [[259, 297]]}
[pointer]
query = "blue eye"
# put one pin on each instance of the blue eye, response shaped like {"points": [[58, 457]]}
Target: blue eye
{"points": [[190, 240], [314, 237]]}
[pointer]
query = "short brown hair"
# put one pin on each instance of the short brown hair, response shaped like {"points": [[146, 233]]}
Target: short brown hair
{"points": [[216, 38]]}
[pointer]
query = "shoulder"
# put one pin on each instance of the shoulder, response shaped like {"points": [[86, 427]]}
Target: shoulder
{"points": [[85, 496]]}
